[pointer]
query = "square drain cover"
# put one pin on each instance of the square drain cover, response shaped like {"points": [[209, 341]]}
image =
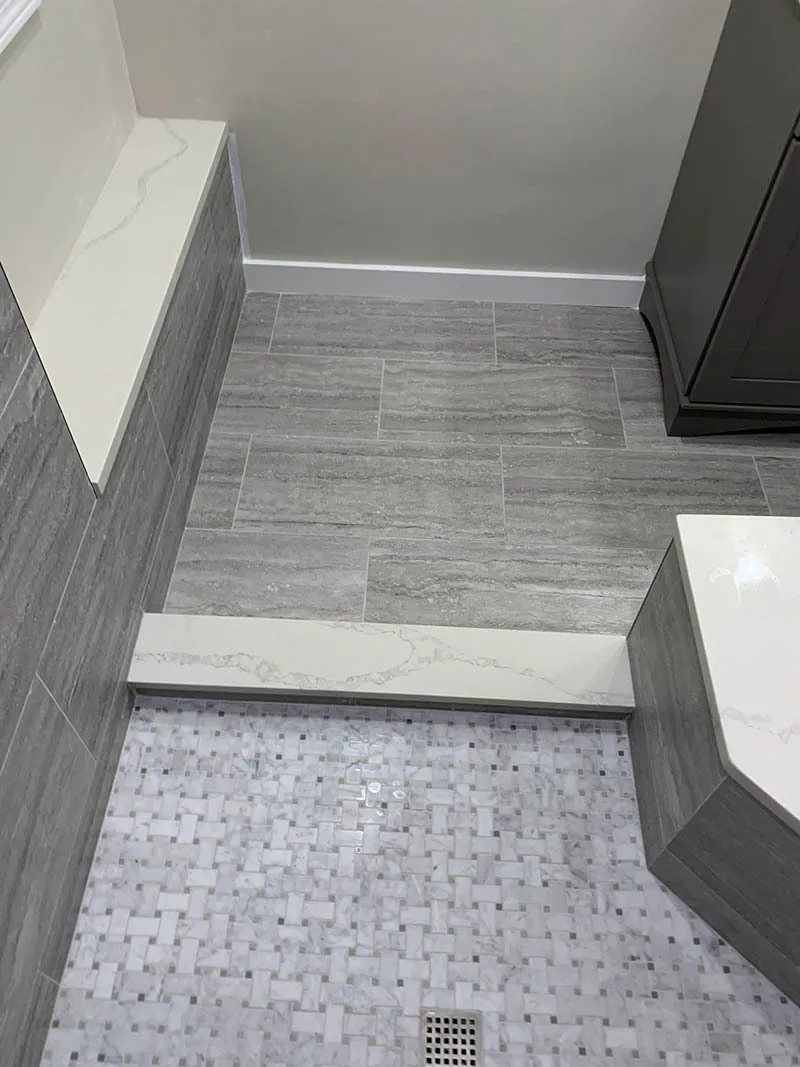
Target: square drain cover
{"points": [[451, 1039]]}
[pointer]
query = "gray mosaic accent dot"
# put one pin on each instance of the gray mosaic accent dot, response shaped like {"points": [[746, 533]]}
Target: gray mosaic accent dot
{"points": [[281, 885]]}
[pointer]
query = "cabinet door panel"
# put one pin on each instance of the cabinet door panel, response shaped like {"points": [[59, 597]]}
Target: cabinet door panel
{"points": [[745, 121], [754, 355]]}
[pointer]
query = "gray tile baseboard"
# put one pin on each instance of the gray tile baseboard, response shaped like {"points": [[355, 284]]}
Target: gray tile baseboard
{"points": [[74, 573], [709, 840]]}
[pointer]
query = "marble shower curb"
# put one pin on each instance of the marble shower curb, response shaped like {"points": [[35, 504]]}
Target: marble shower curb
{"points": [[444, 664]]}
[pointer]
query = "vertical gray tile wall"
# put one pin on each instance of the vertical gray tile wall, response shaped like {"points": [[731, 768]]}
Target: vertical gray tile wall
{"points": [[75, 571]]}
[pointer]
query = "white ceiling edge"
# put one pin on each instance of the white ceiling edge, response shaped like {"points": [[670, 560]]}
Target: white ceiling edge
{"points": [[13, 16]]}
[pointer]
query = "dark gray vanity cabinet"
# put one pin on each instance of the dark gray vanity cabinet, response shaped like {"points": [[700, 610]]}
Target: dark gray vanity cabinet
{"points": [[722, 294]]}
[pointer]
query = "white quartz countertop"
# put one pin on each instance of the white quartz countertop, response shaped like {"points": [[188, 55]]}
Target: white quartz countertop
{"points": [[742, 575], [97, 329]]}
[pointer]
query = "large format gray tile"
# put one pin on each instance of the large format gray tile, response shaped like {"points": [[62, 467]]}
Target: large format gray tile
{"points": [[279, 575], [781, 481], [221, 347], [452, 583], [258, 319], [299, 396], [15, 341], [643, 418], [219, 482], [43, 787], [394, 489], [606, 337], [514, 404], [172, 527], [673, 747], [177, 367], [45, 504], [619, 498], [98, 617], [323, 326], [109, 746]]}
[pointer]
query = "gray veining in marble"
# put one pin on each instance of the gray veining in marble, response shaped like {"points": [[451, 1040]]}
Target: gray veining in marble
{"points": [[177, 367], [299, 395], [219, 482], [361, 865], [781, 481], [619, 498], [509, 404], [643, 418], [372, 486], [41, 801], [531, 333], [280, 575], [451, 583], [92, 625], [256, 324], [45, 504], [388, 328], [15, 341]]}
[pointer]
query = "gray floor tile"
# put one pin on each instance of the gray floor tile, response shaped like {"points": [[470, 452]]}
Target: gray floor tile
{"points": [[454, 583], [619, 498], [531, 333], [781, 481], [643, 418], [15, 341], [411, 329], [219, 481], [255, 325], [389, 862], [394, 489], [272, 574], [512, 404], [299, 396]]}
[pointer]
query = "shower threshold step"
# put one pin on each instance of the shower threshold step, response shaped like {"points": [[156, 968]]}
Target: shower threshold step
{"points": [[405, 663]]}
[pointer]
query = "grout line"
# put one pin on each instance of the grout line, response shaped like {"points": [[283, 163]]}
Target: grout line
{"points": [[494, 331], [380, 398], [761, 483], [47, 977], [503, 496], [33, 353], [366, 581], [160, 435], [66, 717], [619, 406], [241, 484], [274, 321]]}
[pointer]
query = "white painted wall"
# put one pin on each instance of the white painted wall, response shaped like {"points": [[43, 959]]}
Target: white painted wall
{"points": [[66, 107], [533, 134]]}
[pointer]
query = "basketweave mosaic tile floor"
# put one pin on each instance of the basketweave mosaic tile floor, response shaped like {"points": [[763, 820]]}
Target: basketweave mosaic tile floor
{"points": [[293, 885]]}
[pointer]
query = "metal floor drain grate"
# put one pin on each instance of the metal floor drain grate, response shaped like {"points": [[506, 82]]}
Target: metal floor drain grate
{"points": [[451, 1039]]}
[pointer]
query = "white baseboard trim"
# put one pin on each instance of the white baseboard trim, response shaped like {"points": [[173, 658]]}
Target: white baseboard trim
{"points": [[442, 283]]}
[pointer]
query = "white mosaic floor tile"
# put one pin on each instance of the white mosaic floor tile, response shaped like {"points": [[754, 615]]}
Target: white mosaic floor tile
{"points": [[293, 885]]}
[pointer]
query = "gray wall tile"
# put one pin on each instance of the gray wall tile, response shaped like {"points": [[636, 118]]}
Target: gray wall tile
{"points": [[15, 341], [43, 789], [673, 747], [45, 503], [99, 613], [178, 364]]}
